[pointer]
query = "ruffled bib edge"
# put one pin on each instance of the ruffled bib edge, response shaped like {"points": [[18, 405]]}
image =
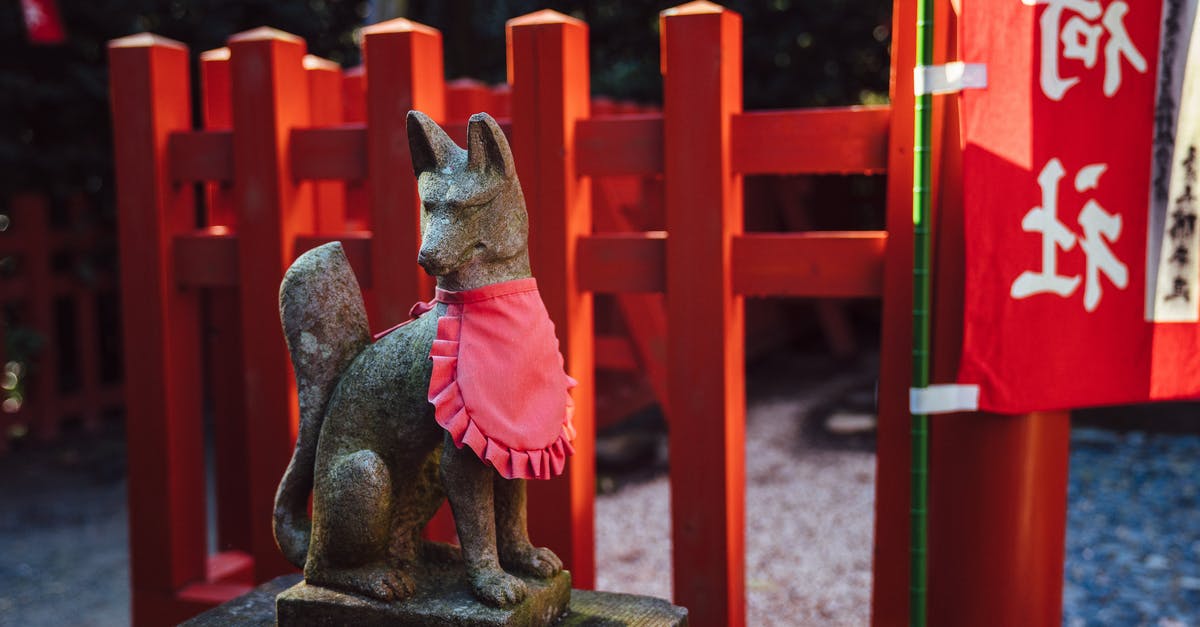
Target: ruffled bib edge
{"points": [[452, 414]]}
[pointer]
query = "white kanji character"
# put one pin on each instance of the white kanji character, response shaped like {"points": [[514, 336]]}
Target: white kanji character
{"points": [[1080, 38], [1099, 228], [1044, 220]]}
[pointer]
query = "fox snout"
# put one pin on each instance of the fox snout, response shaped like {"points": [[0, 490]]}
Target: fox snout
{"points": [[440, 260], [430, 263]]}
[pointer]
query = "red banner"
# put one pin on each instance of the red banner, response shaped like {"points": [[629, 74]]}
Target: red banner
{"points": [[42, 22], [1079, 178]]}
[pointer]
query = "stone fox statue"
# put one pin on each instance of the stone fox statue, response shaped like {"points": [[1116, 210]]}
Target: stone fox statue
{"points": [[391, 427]]}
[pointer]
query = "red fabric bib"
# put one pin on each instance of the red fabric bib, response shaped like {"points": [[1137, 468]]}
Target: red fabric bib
{"points": [[498, 384]]}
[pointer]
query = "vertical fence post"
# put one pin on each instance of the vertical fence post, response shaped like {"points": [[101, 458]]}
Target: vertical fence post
{"points": [[217, 112], [889, 594], [702, 90], [151, 98], [403, 62], [325, 104], [354, 110], [270, 97], [223, 333], [548, 61], [34, 211]]}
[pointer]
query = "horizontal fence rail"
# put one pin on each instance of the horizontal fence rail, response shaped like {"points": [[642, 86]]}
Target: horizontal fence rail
{"points": [[283, 171]]}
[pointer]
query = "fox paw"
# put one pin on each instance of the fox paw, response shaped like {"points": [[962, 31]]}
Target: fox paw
{"points": [[531, 560], [498, 588]]}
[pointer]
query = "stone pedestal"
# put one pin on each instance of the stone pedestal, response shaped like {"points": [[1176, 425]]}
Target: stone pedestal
{"points": [[444, 599], [587, 608]]}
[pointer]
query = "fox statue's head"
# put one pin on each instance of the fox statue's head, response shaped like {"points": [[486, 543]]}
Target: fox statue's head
{"points": [[474, 228]]}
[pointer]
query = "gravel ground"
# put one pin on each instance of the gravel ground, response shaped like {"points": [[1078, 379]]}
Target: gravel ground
{"points": [[1133, 530], [63, 534], [1133, 543], [809, 517]]}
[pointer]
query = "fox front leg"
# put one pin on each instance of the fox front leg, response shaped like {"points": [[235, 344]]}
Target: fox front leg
{"points": [[517, 553], [468, 485]]}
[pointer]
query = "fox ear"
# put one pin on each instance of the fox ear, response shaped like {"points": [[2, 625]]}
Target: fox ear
{"points": [[487, 147], [428, 144]]}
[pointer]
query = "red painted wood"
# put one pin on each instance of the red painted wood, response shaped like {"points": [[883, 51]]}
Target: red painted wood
{"points": [[404, 71], [201, 156], [354, 110], [821, 264], [354, 94], [88, 356], [230, 567], [332, 152], [548, 58], [206, 595], [889, 591], [207, 258], [841, 140], [614, 263], [644, 315], [151, 98], [209, 157], [501, 106], [812, 141], [34, 212], [223, 332], [270, 97], [466, 97], [702, 90], [625, 145], [615, 352], [325, 108]]}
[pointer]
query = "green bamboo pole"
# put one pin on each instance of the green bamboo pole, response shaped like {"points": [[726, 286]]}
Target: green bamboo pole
{"points": [[923, 110]]}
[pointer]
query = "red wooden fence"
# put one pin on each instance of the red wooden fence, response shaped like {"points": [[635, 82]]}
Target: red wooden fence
{"points": [[50, 294], [266, 168]]}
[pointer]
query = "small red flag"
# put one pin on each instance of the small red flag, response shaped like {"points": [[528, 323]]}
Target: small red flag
{"points": [[42, 22]]}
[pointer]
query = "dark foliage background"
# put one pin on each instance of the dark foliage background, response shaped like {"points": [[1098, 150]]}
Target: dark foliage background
{"points": [[55, 136], [54, 123], [54, 120], [797, 52]]}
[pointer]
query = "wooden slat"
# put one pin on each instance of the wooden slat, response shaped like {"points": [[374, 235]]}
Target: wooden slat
{"points": [[333, 153], [206, 258], [270, 96], [625, 145], [702, 92], [815, 264], [548, 55], [151, 100], [614, 352], [325, 109], [612, 263], [201, 156], [846, 140], [404, 71]]}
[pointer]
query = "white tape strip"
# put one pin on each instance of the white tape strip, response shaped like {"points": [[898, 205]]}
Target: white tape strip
{"points": [[948, 78], [943, 399]]}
